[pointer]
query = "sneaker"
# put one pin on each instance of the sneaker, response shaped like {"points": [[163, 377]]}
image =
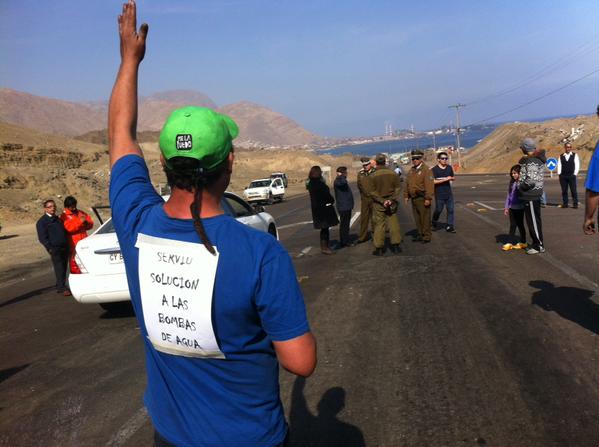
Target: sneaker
{"points": [[450, 229], [541, 249], [575, 206], [507, 247], [534, 251], [521, 245]]}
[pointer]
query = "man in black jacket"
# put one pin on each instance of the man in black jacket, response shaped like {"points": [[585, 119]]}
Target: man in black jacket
{"points": [[568, 165], [344, 199], [52, 235]]}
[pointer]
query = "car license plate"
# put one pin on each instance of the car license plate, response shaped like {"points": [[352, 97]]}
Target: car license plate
{"points": [[115, 258]]}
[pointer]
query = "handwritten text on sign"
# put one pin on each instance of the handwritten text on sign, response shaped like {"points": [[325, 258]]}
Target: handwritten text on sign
{"points": [[176, 282]]}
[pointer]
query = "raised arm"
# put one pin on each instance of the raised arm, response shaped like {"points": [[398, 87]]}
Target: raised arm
{"points": [[122, 110]]}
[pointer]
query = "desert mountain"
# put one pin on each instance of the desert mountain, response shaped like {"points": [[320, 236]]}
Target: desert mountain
{"points": [[259, 126], [500, 150], [49, 115]]}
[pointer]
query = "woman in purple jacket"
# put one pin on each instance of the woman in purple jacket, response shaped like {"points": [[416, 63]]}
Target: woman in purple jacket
{"points": [[515, 209]]}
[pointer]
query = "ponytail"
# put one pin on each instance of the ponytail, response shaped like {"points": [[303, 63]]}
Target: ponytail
{"points": [[196, 208]]}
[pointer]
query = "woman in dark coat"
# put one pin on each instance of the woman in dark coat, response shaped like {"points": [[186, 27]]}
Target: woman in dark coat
{"points": [[323, 211]]}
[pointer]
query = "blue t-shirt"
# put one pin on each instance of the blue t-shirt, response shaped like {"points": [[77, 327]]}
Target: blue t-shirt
{"points": [[256, 299], [592, 181], [442, 190]]}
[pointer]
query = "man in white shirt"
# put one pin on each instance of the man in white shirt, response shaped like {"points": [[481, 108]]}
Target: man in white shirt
{"points": [[568, 165]]}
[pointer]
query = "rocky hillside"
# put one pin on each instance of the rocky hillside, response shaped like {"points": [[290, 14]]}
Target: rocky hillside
{"points": [[259, 125], [500, 150], [35, 166]]}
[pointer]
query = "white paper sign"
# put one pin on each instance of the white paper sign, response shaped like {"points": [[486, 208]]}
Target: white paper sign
{"points": [[176, 281]]}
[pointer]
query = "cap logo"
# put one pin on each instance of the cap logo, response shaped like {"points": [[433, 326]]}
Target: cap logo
{"points": [[184, 142]]}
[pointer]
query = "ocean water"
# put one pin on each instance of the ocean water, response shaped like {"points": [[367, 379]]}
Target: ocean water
{"points": [[468, 139]]}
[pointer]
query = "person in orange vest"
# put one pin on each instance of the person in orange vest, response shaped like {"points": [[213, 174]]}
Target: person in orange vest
{"points": [[76, 223]]}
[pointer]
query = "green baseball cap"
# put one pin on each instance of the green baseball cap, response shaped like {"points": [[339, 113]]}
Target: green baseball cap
{"points": [[200, 133]]}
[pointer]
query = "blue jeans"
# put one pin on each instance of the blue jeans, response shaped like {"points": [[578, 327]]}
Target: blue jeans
{"points": [[440, 203]]}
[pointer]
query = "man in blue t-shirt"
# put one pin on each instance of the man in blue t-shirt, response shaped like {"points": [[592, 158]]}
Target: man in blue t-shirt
{"points": [[443, 176], [218, 303], [592, 191]]}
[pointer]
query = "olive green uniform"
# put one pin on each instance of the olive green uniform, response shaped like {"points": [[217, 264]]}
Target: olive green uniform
{"points": [[364, 186], [420, 186], [386, 185]]}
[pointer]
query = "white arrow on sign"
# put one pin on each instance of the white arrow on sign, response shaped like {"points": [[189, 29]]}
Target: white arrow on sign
{"points": [[552, 164]]}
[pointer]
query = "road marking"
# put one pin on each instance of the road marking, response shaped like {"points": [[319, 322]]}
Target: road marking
{"points": [[304, 252], [129, 428], [486, 206], [282, 227], [354, 218], [565, 268]]}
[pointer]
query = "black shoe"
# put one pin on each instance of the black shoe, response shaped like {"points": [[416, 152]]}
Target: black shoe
{"points": [[564, 205], [395, 249], [426, 241], [450, 229], [417, 239], [575, 206], [378, 252]]}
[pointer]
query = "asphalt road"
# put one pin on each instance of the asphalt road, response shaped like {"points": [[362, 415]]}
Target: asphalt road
{"points": [[450, 343]]}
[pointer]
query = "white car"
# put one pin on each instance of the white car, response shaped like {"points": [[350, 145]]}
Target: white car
{"points": [[102, 277], [265, 190]]}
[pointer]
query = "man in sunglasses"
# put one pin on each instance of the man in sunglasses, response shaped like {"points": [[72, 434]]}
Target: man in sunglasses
{"points": [[568, 165], [443, 174]]}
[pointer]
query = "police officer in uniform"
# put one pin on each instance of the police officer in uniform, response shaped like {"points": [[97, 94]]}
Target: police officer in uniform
{"points": [[364, 186], [385, 194], [420, 188]]}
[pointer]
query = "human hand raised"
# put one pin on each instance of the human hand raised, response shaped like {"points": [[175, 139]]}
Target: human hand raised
{"points": [[133, 42]]}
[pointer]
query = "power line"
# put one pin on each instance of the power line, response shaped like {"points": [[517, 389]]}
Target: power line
{"points": [[538, 98], [548, 69]]}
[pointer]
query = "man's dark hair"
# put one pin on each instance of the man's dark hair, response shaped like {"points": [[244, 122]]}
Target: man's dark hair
{"points": [[186, 173], [49, 201], [70, 201], [315, 173], [441, 154], [342, 169]]}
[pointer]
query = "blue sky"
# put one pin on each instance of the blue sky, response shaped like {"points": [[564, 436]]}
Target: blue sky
{"points": [[339, 68]]}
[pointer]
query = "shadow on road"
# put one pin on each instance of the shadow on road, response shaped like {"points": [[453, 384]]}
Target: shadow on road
{"points": [[571, 303], [9, 372], [326, 429], [26, 296], [8, 236]]}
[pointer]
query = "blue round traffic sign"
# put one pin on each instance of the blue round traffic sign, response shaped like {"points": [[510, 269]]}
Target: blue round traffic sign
{"points": [[551, 164]]}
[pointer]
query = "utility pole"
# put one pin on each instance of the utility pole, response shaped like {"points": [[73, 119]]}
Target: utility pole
{"points": [[457, 108]]}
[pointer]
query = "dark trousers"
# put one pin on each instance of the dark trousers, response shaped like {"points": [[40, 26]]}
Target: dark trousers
{"points": [[60, 260], [324, 235], [568, 181], [344, 218], [517, 221], [440, 203], [532, 212]]}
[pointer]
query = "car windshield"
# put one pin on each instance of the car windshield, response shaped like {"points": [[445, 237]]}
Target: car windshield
{"points": [[260, 184]]}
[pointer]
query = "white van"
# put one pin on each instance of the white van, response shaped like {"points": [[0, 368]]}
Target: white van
{"points": [[265, 190]]}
